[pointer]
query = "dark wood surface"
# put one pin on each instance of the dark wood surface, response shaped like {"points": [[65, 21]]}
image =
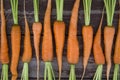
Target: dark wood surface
{"points": [[97, 7]]}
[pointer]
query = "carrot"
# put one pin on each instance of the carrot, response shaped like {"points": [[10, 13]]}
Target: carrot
{"points": [[15, 40], [87, 32], [73, 44], [116, 57], [59, 33], [98, 52], [4, 56], [27, 54], [109, 32], [37, 28], [47, 45]]}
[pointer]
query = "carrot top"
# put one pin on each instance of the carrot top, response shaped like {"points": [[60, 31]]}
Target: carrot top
{"points": [[87, 11], [14, 5], [36, 10], [110, 9], [59, 5]]}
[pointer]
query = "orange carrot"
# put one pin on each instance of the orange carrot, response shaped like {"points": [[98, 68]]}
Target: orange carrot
{"points": [[73, 44], [59, 33], [98, 52], [4, 56], [47, 44], [4, 45], [97, 48], [37, 29], [117, 46], [108, 41], [15, 42]]}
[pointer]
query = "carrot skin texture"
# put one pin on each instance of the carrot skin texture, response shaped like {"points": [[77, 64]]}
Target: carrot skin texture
{"points": [[59, 33], [15, 39], [87, 32], [117, 47], [47, 44], [97, 49], [73, 44], [4, 56], [108, 41], [27, 54]]}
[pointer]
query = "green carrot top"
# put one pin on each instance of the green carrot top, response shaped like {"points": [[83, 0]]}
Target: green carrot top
{"points": [[87, 11], [14, 5], [59, 6], [110, 9], [36, 10]]}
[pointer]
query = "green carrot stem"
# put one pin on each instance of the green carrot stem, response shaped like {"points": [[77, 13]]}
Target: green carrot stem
{"points": [[4, 74], [116, 72], [87, 11], [110, 9], [48, 72], [14, 5], [36, 10], [98, 73], [72, 75], [59, 6], [25, 71]]}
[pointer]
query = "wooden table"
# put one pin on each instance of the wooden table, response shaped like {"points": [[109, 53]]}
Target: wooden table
{"points": [[97, 7]]}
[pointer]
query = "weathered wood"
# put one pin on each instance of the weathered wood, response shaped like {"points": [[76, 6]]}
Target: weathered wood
{"points": [[68, 4]]}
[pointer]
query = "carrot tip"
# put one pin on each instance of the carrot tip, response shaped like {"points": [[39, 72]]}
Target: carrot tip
{"points": [[83, 74], [108, 70], [116, 72], [4, 74], [98, 73], [38, 68]]}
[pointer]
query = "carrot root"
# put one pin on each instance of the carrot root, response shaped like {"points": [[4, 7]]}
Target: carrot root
{"points": [[4, 74], [48, 71], [25, 71], [72, 75], [116, 72], [98, 74]]}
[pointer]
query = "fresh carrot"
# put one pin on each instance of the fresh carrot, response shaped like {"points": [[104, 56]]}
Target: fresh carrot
{"points": [[27, 54], [47, 45], [116, 57], [4, 56], [37, 29], [59, 33], [87, 32], [98, 52], [73, 44], [109, 32], [15, 40]]}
